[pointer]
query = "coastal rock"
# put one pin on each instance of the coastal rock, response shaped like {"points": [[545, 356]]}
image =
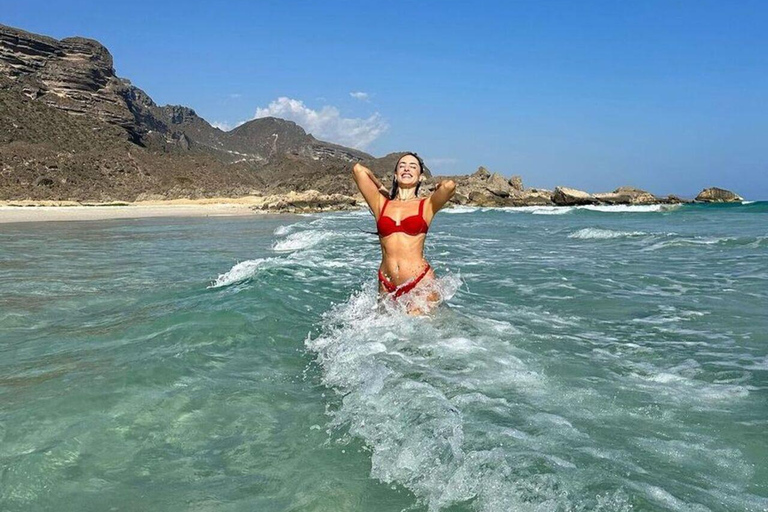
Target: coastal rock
{"points": [[481, 173], [718, 195], [483, 188], [459, 198], [627, 195], [564, 196], [307, 202], [482, 198], [532, 197], [673, 199], [498, 185], [516, 182]]}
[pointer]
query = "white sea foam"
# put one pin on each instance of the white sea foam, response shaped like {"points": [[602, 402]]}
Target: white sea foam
{"points": [[597, 233], [693, 241], [411, 388], [678, 385], [541, 210], [302, 240], [362, 212], [460, 209], [284, 230], [617, 208], [240, 272], [630, 208]]}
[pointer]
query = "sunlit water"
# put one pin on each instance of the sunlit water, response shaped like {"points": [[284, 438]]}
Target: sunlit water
{"points": [[608, 359]]}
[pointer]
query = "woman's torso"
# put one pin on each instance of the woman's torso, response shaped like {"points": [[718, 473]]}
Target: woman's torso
{"points": [[402, 230]]}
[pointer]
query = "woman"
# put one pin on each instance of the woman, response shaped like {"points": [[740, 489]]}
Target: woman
{"points": [[402, 221]]}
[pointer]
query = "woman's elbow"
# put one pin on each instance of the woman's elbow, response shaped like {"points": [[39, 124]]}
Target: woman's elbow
{"points": [[359, 170], [450, 186]]}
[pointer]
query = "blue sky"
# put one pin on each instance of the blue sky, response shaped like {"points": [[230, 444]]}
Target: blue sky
{"points": [[670, 96]]}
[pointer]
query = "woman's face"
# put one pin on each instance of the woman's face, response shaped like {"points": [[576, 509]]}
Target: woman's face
{"points": [[407, 171]]}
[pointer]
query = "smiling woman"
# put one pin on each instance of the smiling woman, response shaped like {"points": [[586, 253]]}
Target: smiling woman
{"points": [[402, 234]]}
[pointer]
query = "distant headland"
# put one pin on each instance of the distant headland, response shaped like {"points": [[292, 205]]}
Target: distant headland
{"points": [[71, 132]]}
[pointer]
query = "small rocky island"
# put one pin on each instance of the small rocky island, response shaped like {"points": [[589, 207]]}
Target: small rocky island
{"points": [[71, 130]]}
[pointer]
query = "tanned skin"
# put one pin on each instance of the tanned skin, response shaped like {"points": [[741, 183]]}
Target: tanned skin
{"points": [[403, 254]]}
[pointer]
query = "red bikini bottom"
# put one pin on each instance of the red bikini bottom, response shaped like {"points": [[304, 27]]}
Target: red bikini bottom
{"points": [[404, 288]]}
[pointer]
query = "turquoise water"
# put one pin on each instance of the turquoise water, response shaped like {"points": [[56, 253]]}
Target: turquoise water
{"points": [[607, 359]]}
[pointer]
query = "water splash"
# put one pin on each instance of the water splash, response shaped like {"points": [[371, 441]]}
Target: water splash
{"points": [[241, 272]]}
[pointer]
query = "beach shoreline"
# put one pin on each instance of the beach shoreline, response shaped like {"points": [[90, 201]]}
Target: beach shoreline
{"points": [[45, 211], [306, 202]]}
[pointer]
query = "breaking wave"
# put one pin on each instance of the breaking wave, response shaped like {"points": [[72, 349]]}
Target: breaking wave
{"points": [[596, 233]]}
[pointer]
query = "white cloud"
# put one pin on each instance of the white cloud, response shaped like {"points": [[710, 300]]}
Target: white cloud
{"points": [[222, 125], [362, 96], [327, 123], [235, 95]]}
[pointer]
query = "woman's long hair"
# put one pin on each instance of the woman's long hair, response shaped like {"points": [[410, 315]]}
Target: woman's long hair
{"points": [[393, 191]]}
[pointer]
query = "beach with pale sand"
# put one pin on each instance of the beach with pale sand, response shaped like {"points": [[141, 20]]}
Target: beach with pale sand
{"points": [[39, 211]]}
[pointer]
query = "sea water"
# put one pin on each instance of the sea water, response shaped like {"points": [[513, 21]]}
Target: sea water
{"points": [[595, 358]]}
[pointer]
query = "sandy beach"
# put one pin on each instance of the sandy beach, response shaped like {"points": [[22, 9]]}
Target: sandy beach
{"points": [[38, 211]]}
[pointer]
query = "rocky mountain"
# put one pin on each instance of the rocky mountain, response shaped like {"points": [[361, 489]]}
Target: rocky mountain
{"points": [[71, 129]]}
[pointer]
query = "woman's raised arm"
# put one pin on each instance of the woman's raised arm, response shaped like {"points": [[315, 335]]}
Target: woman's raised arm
{"points": [[443, 192], [370, 186]]}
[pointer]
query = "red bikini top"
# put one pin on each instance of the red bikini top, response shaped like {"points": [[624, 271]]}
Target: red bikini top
{"points": [[412, 225]]}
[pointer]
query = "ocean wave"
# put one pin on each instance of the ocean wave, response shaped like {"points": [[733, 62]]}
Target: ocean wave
{"points": [[702, 241], [597, 233], [284, 230], [302, 240], [461, 209], [630, 208], [543, 210], [613, 208], [240, 272]]}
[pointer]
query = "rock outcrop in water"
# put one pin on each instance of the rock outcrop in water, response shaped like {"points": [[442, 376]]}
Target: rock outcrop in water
{"points": [[718, 195], [483, 188], [307, 202], [564, 196]]}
